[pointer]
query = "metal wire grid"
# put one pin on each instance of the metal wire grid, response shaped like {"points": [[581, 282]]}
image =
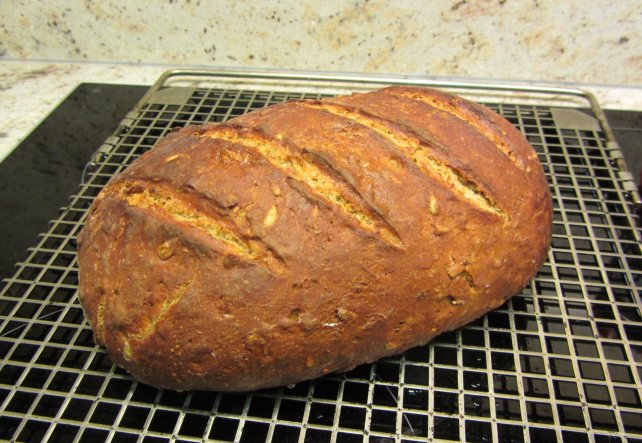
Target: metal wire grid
{"points": [[561, 361]]}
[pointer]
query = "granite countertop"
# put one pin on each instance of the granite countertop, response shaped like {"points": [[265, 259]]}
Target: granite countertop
{"points": [[30, 90]]}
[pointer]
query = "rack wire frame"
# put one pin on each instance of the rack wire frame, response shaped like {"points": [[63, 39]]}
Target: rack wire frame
{"points": [[561, 361]]}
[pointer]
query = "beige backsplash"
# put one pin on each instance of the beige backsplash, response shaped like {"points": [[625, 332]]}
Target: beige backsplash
{"points": [[576, 41]]}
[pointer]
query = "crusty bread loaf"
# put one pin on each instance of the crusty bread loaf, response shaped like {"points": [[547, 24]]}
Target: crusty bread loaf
{"points": [[310, 237]]}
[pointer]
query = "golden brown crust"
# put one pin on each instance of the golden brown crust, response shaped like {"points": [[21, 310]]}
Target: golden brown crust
{"points": [[310, 237]]}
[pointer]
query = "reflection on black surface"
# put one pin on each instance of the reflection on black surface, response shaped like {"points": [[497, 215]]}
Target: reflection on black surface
{"points": [[39, 175]]}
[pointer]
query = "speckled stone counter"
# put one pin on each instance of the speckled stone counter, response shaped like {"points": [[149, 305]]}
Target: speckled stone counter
{"points": [[30, 90], [549, 40]]}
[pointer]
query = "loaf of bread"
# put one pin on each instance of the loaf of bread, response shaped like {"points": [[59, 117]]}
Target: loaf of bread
{"points": [[310, 237]]}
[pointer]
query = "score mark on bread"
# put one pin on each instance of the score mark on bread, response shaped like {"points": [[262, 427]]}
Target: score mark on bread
{"points": [[473, 116], [324, 185], [417, 149], [165, 202]]}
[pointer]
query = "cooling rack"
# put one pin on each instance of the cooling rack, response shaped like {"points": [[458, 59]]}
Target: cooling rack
{"points": [[561, 361]]}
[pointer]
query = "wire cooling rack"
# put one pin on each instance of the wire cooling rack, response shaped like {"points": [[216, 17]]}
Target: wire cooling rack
{"points": [[560, 361]]}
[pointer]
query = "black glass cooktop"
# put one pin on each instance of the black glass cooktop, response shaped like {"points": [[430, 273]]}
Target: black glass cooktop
{"points": [[39, 175]]}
